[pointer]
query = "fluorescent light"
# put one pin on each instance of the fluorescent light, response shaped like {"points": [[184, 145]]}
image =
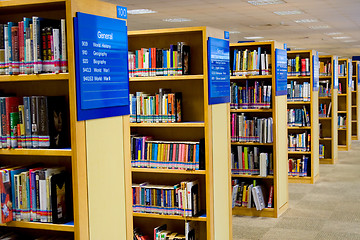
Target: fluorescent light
{"points": [[341, 37], [293, 12], [350, 40], [319, 27], [299, 48], [140, 11], [333, 33], [176, 20], [256, 37], [265, 2], [234, 32], [270, 40], [306, 20]]}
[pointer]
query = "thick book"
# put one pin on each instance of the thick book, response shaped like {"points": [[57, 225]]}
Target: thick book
{"points": [[60, 198], [34, 103], [11, 108], [44, 136], [6, 200]]}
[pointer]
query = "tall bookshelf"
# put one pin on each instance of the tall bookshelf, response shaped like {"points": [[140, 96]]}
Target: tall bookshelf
{"points": [[328, 95], [344, 104], [276, 110], [90, 168], [200, 121], [304, 98], [355, 100]]}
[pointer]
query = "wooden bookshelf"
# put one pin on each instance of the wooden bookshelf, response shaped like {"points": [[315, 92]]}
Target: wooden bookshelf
{"points": [[344, 106], [328, 130], [40, 226], [200, 120], [355, 102], [312, 110], [277, 147]]}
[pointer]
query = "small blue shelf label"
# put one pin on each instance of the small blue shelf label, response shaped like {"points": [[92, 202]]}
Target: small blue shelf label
{"points": [[316, 70], [102, 80], [281, 72], [350, 73], [226, 35], [121, 12], [218, 70], [336, 72]]}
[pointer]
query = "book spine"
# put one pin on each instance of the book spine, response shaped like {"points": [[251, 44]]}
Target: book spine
{"points": [[27, 122], [56, 44], [15, 49], [10, 49], [43, 131], [21, 48], [64, 62], [34, 122]]}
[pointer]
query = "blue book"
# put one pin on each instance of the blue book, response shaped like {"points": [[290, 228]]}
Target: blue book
{"points": [[10, 25], [16, 208]]}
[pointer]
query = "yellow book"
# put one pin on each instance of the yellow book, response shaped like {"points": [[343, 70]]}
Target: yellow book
{"points": [[244, 196]]}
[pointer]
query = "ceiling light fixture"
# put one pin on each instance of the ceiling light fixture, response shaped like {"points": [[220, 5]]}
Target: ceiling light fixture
{"points": [[265, 2], [176, 20], [140, 11], [256, 37], [306, 20], [350, 41], [293, 12], [234, 32], [341, 37], [333, 33], [319, 27], [299, 48]]}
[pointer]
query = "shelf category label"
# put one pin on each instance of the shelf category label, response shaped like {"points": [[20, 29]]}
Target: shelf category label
{"points": [[218, 70], [350, 73], [316, 71], [358, 73], [336, 72], [281, 71], [102, 79]]}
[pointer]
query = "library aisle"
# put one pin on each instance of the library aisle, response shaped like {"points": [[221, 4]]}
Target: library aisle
{"points": [[329, 209]]}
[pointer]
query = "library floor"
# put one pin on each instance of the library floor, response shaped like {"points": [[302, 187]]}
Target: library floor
{"points": [[329, 209]]}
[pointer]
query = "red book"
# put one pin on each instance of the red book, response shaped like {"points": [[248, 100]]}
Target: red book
{"points": [[21, 47], [6, 203], [11, 106], [271, 193], [290, 165], [303, 67], [15, 49]]}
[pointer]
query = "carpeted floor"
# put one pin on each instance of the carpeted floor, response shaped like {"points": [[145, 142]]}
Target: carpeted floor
{"points": [[329, 209]]}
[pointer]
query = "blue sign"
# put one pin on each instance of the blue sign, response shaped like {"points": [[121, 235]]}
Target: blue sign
{"points": [[121, 12], [285, 46], [336, 73], [350, 70], [101, 54], [316, 70], [226, 35], [358, 73], [281, 72], [218, 71]]}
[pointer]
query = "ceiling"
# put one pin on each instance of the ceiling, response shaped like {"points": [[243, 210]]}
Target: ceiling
{"points": [[243, 19]]}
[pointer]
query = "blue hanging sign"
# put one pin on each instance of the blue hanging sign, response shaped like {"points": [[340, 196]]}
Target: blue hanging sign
{"points": [[280, 72], [350, 73], [358, 73], [121, 12], [316, 70], [218, 71], [336, 72], [226, 35], [101, 54]]}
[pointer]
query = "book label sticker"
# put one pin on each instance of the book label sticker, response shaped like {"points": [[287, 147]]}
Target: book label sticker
{"points": [[336, 72], [218, 70], [316, 70], [121, 12], [102, 80], [281, 72]]}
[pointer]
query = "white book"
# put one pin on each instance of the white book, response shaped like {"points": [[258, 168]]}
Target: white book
{"points": [[249, 196], [56, 47], [263, 164], [234, 194], [6, 41], [63, 63]]}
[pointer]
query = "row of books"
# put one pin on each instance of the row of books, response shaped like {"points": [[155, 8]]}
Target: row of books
{"points": [[163, 107], [321, 151], [251, 129], [181, 199], [298, 167], [298, 92], [250, 97], [325, 68], [298, 66], [34, 122], [324, 111], [298, 117], [192, 231], [151, 62], [341, 122], [247, 62], [324, 88], [342, 70], [251, 195], [35, 194], [299, 142], [250, 161], [146, 153], [33, 45]]}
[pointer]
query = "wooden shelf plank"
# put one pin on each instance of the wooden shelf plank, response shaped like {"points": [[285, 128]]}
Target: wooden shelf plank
{"points": [[168, 171], [324, 98], [325, 77], [298, 77], [244, 211], [354, 106], [354, 121], [298, 128], [170, 217], [298, 102], [307, 180], [342, 112], [167, 78], [341, 129], [250, 110], [326, 161], [42, 226], [181, 124], [251, 77], [324, 118], [342, 94], [250, 176], [34, 77], [353, 91], [325, 139], [37, 152], [298, 153], [252, 143], [342, 76], [8, 3]]}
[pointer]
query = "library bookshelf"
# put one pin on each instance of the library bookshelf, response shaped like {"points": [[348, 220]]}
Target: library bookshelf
{"points": [[199, 121], [276, 110], [328, 124], [302, 73], [344, 104], [355, 100], [82, 161]]}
